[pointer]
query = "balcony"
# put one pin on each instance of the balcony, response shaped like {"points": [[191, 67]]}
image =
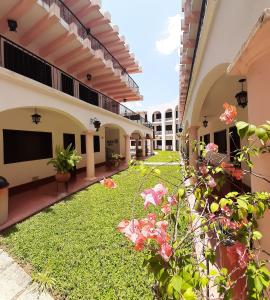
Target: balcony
{"points": [[24, 62], [85, 33], [169, 132], [158, 132]]}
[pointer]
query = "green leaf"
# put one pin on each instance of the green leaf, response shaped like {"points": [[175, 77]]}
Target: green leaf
{"points": [[242, 204], [189, 295], [261, 134], [223, 202], [181, 192], [157, 172], [214, 207], [242, 128], [251, 130], [256, 235], [176, 282]]}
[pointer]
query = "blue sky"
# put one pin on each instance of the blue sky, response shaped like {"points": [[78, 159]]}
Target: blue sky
{"points": [[152, 29]]}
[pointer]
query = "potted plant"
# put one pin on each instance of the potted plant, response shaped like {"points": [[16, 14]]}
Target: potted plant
{"points": [[64, 161], [116, 159]]}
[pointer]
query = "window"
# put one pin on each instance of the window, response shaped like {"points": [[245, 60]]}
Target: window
{"points": [[159, 143], [235, 143], [22, 145], [67, 84], [221, 141], [133, 143], [168, 142], [96, 143], [176, 113], [159, 128], [27, 65], [168, 127], [83, 144], [87, 95], [168, 115], [158, 116], [69, 138], [206, 138]]}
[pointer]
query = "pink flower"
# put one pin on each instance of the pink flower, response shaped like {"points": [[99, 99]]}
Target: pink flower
{"points": [[211, 147], [229, 114], [108, 183], [160, 189], [239, 254], [165, 251], [150, 197], [166, 208], [211, 182], [203, 169], [228, 212], [154, 196], [172, 200]]}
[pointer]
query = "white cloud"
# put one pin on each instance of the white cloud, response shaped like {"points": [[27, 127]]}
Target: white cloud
{"points": [[171, 40], [177, 68]]}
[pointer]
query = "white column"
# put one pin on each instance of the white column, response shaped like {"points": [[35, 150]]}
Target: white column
{"points": [[193, 136], [143, 146], [151, 147], [127, 149], [163, 131], [90, 159], [174, 130]]}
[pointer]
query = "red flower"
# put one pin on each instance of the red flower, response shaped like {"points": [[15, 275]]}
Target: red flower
{"points": [[229, 114], [227, 167], [108, 183], [203, 169], [172, 200], [239, 254], [166, 208], [165, 251], [237, 174]]}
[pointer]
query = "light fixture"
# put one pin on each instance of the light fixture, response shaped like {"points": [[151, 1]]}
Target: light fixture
{"points": [[180, 130], [205, 122], [12, 24], [36, 117], [96, 123], [241, 97], [89, 77], [125, 100]]}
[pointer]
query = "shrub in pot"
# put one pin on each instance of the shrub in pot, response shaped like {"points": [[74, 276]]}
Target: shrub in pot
{"points": [[64, 161]]}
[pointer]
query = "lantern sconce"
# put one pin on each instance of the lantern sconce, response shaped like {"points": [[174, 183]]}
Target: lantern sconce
{"points": [[36, 117], [89, 77], [96, 123], [12, 25], [205, 122], [242, 97]]}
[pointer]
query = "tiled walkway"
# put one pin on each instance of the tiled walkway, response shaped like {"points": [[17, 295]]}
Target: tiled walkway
{"points": [[16, 284], [32, 201]]}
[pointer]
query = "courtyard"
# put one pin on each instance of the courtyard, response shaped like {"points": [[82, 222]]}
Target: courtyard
{"points": [[73, 248]]}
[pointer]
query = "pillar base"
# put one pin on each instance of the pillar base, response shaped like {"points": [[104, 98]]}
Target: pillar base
{"points": [[90, 178]]}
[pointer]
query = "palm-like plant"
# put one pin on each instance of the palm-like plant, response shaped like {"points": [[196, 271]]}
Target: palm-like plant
{"points": [[65, 159]]}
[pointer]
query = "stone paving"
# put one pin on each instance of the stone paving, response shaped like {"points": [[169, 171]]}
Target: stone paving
{"points": [[15, 283]]}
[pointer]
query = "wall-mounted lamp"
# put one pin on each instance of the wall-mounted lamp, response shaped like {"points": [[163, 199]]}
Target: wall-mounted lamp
{"points": [[36, 117], [242, 97], [96, 123], [12, 24], [125, 100], [89, 77], [205, 122]]}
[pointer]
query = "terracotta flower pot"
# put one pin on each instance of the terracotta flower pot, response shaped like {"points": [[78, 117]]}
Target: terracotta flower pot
{"points": [[62, 177]]}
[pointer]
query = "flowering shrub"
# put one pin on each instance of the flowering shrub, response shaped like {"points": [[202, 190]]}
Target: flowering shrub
{"points": [[194, 224]]}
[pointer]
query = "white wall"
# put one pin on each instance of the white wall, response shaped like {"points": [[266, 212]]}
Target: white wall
{"points": [[20, 119]]}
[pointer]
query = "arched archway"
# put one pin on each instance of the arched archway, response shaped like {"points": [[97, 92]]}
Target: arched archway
{"points": [[27, 146]]}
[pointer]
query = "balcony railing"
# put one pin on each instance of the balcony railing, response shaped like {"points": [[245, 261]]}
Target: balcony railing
{"points": [[158, 132], [169, 132], [26, 63], [69, 17]]}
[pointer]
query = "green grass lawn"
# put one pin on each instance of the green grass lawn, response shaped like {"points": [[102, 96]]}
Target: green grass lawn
{"points": [[75, 245], [164, 156]]}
